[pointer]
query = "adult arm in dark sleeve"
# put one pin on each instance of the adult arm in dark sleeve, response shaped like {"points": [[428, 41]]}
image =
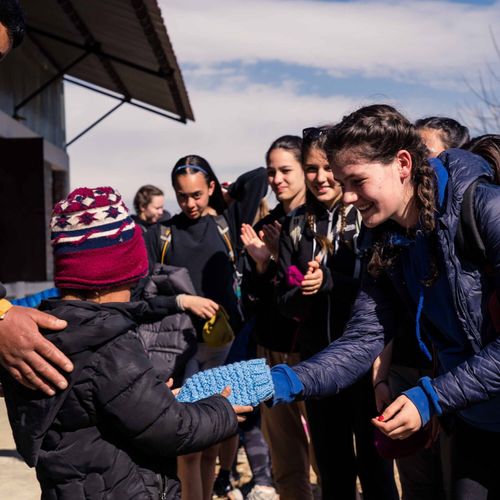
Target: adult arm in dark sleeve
{"points": [[141, 407]]}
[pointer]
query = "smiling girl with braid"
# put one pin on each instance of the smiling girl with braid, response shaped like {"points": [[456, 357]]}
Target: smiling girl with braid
{"points": [[414, 209], [318, 241]]}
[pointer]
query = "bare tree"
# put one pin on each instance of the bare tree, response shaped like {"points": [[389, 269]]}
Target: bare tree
{"points": [[483, 116]]}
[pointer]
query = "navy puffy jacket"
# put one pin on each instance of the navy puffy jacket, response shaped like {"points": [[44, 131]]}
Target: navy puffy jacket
{"points": [[375, 312]]}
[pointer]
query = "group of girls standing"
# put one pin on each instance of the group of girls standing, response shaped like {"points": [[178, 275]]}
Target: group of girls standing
{"points": [[415, 211], [356, 235]]}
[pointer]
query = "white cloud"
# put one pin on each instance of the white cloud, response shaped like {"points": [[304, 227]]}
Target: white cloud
{"points": [[430, 41], [233, 130], [236, 122]]}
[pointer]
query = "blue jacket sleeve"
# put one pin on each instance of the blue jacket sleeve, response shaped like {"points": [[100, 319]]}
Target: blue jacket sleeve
{"points": [[348, 358]]}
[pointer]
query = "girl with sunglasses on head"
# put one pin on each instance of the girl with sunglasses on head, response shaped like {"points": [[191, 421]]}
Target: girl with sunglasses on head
{"points": [[275, 334], [318, 276], [414, 211], [201, 239]]}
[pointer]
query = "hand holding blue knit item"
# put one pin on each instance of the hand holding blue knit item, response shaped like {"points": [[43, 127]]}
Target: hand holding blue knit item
{"points": [[250, 383]]}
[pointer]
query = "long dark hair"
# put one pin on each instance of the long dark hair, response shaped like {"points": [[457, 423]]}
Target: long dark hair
{"points": [[194, 164], [290, 143], [487, 146], [315, 138], [376, 134]]}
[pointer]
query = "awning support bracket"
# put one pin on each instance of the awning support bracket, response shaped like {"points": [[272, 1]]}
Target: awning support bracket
{"points": [[99, 120], [165, 114], [49, 82]]}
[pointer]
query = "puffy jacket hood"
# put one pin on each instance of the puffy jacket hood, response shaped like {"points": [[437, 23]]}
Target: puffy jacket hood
{"points": [[463, 169]]}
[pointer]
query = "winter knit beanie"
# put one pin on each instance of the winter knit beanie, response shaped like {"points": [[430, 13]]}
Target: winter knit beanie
{"points": [[250, 383], [96, 243]]}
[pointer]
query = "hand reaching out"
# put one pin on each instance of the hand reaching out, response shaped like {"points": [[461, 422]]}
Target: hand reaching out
{"points": [[200, 306]]}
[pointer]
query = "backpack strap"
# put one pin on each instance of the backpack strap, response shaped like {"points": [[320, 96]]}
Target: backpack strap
{"points": [[166, 238], [223, 228], [468, 240], [350, 234], [296, 229]]}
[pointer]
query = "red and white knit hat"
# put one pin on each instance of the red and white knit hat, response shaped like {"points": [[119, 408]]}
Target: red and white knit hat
{"points": [[96, 243]]}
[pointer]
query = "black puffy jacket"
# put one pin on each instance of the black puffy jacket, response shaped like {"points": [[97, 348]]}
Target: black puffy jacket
{"points": [[115, 432]]}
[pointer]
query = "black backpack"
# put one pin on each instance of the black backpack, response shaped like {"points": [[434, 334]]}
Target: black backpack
{"points": [[470, 246]]}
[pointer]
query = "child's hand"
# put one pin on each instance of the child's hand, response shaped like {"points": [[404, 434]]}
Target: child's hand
{"points": [[314, 277], [169, 383], [399, 420], [237, 408]]}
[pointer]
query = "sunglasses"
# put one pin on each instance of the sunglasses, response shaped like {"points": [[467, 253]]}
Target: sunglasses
{"points": [[313, 134]]}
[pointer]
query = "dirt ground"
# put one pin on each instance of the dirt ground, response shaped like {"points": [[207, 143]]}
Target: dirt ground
{"points": [[17, 480]]}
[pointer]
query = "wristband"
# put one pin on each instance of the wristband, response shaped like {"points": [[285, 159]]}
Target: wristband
{"points": [[380, 382], [5, 306]]}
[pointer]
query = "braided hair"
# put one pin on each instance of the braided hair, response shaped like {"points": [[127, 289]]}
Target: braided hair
{"points": [[452, 133], [487, 146], [315, 138], [376, 134]]}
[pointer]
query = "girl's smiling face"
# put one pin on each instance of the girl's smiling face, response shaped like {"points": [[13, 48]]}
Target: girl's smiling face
{"points": [[285, 175], [379, 191], [320, 179]]}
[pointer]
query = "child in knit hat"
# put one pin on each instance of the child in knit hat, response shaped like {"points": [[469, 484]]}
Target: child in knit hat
{"points": [[115, 432]]}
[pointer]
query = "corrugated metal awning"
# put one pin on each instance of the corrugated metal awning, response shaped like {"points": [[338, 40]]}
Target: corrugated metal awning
{"points": [[118, 45]]}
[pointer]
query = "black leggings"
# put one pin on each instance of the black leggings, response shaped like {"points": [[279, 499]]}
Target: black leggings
{"points": [[475, 463]]}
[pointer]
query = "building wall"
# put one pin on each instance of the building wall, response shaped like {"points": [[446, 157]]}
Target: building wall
{"points": [[23, 71]]}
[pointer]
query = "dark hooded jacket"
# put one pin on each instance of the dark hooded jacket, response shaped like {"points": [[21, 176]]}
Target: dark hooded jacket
{"points": [[323, 315], [115, 432], [474, 380]]}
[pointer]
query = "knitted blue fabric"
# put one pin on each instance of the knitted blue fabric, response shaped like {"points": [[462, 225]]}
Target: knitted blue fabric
{"points": [[250, 383]]}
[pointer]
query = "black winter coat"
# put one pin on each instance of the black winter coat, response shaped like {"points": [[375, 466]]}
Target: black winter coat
{"points": [[273, 330], [324, 314], [115, 432]]}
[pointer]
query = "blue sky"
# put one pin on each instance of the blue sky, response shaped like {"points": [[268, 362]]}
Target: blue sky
{"points": [[258, 69]]}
